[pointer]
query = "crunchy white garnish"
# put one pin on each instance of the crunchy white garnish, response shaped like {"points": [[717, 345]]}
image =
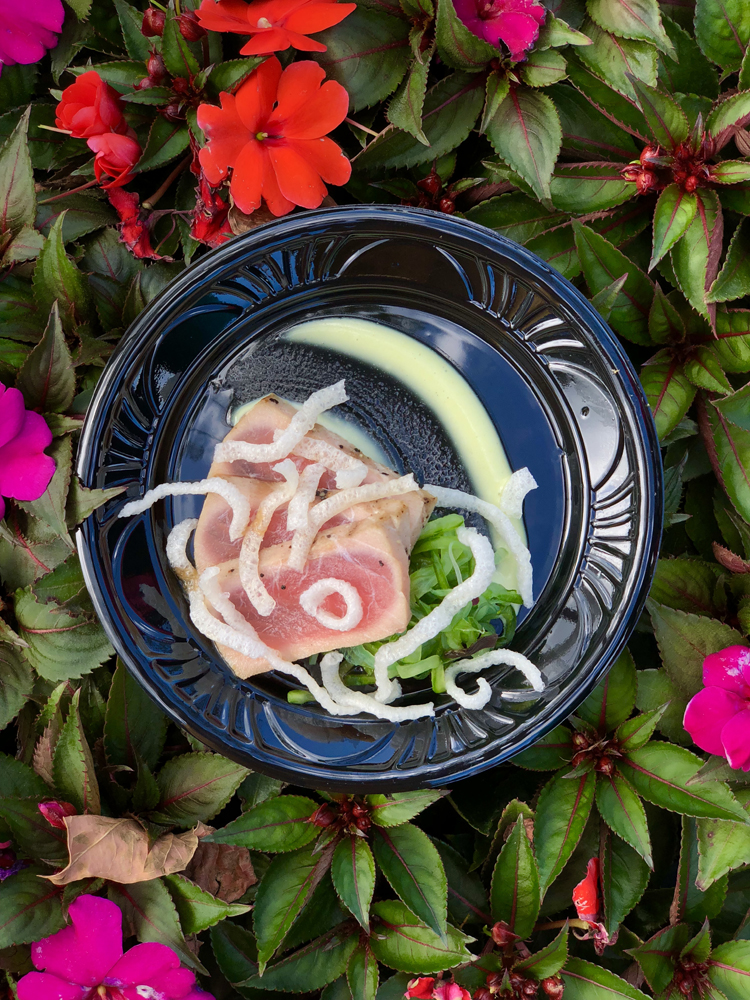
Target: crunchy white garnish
{"points": [[313, 597], [501, 522], [357, 701], [228, 491], [514, 492], [337, 504], [303, 421], [299, 506], [440, 617], [491, 658], [249, 560], [349, 471], [177, 543]]}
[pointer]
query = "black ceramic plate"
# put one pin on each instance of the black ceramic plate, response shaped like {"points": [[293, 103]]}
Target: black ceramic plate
{"points": [[559, 389]]}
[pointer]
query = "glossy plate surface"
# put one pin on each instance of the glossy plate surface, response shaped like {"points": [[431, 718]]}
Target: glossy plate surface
{"points": [[559, 389]]}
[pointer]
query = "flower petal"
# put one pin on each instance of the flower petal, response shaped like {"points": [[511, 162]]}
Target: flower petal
{"points": [[735, 737], [707, 714], [302, 43], [25, 471], [43, 986], [318, 16], [729, 669], [326, 157], [298, 84], [519, 31], [12, 410], [298, 180], [256, 95], [226, 137], [319, 115], [247, 177], [141, 964], [85, 950], [275, 200], [172, 985], [228, 15], [263, 43]]}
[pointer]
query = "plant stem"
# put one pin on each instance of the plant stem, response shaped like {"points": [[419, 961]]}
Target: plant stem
{"points": [[362, 128], [65, 194], [51, 128], [555, 925], [149, 203]]}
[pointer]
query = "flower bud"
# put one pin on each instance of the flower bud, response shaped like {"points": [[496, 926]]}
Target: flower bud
{"points": [[180, 85], [447, 206], [431, 184], [483, 994], [630, 173], [502, 935], [646, 182], [190, 27], [691, 183], [553, 987], [153, 23], [323, 816], [157, 71], [55, 812], [649, 154], [580, 741], [174, 112], [530, 988], [605, 766]]}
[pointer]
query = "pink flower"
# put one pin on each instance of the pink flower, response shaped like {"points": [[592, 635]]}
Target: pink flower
{"points": [[421, 988], [451, 991], [85, 959], [27, 30], [55, 812], [515, 23], [25, 471], [718, 717]]}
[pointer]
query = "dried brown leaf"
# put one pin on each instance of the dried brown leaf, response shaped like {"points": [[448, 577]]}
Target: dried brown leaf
{"points": [[730, 560], [223, 870]]}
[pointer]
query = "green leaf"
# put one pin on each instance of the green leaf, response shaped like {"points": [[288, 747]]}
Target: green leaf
{"points": [[621, 111], [280, 824], [589, 187], [402, 942], [526, 133], [689, 902], [197, 909], [514, 896], [729, 114], [602, 263], [195, 787], [234, 950], [496, 88], [655, 691], [122, 74], [552, 751], [699, 947], [166, 141], [542, 69], [548, 961], [515, 216], [27, 245], [73, 767], [362, 974], [722, 30], [56, 277], [661, 773], [637, 732], [405, 108], [312, 967], [704, 371], [730, 172], [82, 213], [631, 19], [695, 258], [688, 71], [625, 876], [669, 393], [148, 908], [666, 119], [81, 8], [604, 301], [47, 379], [30, 909], [30, 832], [230, 74], [467, 898], [134, 726], [665, 325], [623, 812], [450, 110], [731, 457], [49, 508], [145, 790], [18, 779], [563, 809], [733, 280], [584, 981], [137, 44], [257, 788], [412, 865], [353, 874], [587, 133], [617, 60], [176, 52], [400, 807], [729, 969], [558, 248], [368, 53], [736, 408], [60, 646], [17, 196], [658, 956], [675, 210], [556, 33], [16, 684], [458, 47], [732, 343], [613, 699], [82, 501], [722, 845]]}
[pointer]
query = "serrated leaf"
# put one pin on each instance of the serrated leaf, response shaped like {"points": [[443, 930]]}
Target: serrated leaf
{"points": [[17, 196], [30, 909], [555, 33], [548, 960], [368, 54], [552, 751], [515, 216], [362, 974], [56, 277], [131, 19], [404, 943], [587, 133], [134, 725], [514, 896], [82, 501], [278, 825], [176, 52], [122, 74], [467, 898], [687, 70], [669, 393], [458, 47], [736, 408], [166, 140], [675, 211], [558, 248], [353, 874], [704, 371], [18, 779], [30, 832], [496, 90], [730, 456], [658, 956], [602, 263], [729, 969], [198, 910], [526, 133], [623, 812], [413, 867], [49, 508], [27, 245], [722, 845], [195, 787], [47, 379], [400, 807], [666, 119], [234, 950], [631, 19], [723, 31], [584, 981], [689, 902], [732, 342], [616, 60], [589, 187], [310, 968], [730, 172], [73, 766], [660, 772], [405, 107], [733, 281], [618, 109], [16, 684], [82, 213], [695, 258], [638, 731], [563, 809], [604, 301], [613, 699], [542, 69], [625, 876], [665, 325], [229, 75]]}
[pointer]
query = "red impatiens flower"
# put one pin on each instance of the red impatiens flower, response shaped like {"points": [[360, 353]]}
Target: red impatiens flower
{"points": [[272, 134], [90, 107], [586, 896], [420, 988], [718, 717], [514, 23], [134, 230], [116, 155], [210, 216], [274, 24]]}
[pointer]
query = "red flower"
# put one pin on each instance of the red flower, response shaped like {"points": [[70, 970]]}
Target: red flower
{"points": [[586, 898], [273, 135], [210, 216], [55, 812], [451, 991], [513, 23], [421, 988], [134, 231], [90, 107], [116, 155], [274, 24]]}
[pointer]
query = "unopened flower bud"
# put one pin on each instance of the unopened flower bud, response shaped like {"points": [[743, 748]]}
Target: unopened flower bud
{"points": [[55, 812], [605, 766], [483, 994], [153, 23], [502, 935], [631, 173], [174, 112], [323, 816], [494, 981], [447, 206], [157, 71], [553, 987], [649, 154], [530, 988], [190, 27], [180, 85], [580, 741], [691, 183], [646, 182], [578, 758], [431, 184]]}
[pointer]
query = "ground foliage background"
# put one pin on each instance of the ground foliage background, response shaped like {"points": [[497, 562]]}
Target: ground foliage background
{"points": [[355, 897]]}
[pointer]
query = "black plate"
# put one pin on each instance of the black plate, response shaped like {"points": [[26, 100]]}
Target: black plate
{"points": [[562, 394]]}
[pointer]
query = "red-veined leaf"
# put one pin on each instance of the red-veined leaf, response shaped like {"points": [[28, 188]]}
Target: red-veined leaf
{"points": [[666, 119], [696, 257], [631, 19], [562, 812], [526, 133], [665, 325], [589, 187], [704, 371], [623, 812], [733, 281], [675, 210], [728, 448]]}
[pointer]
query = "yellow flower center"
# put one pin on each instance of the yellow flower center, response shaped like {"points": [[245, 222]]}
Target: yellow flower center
{"points": [[263, 22]]}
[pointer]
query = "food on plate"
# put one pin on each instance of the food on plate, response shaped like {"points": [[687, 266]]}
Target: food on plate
{"points": [[308, 550]]}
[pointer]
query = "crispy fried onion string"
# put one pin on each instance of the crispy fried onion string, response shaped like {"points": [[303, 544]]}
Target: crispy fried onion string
{"points": [[312, 598], [228, 491], [349, 471], [303, 421], [299, 505], [358, 701], [491, 658]]}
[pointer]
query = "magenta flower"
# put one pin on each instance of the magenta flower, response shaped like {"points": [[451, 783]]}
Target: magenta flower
{"points": [[85, 960], [25, 471], [514, 23], [27, 30], [718, 717]]}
